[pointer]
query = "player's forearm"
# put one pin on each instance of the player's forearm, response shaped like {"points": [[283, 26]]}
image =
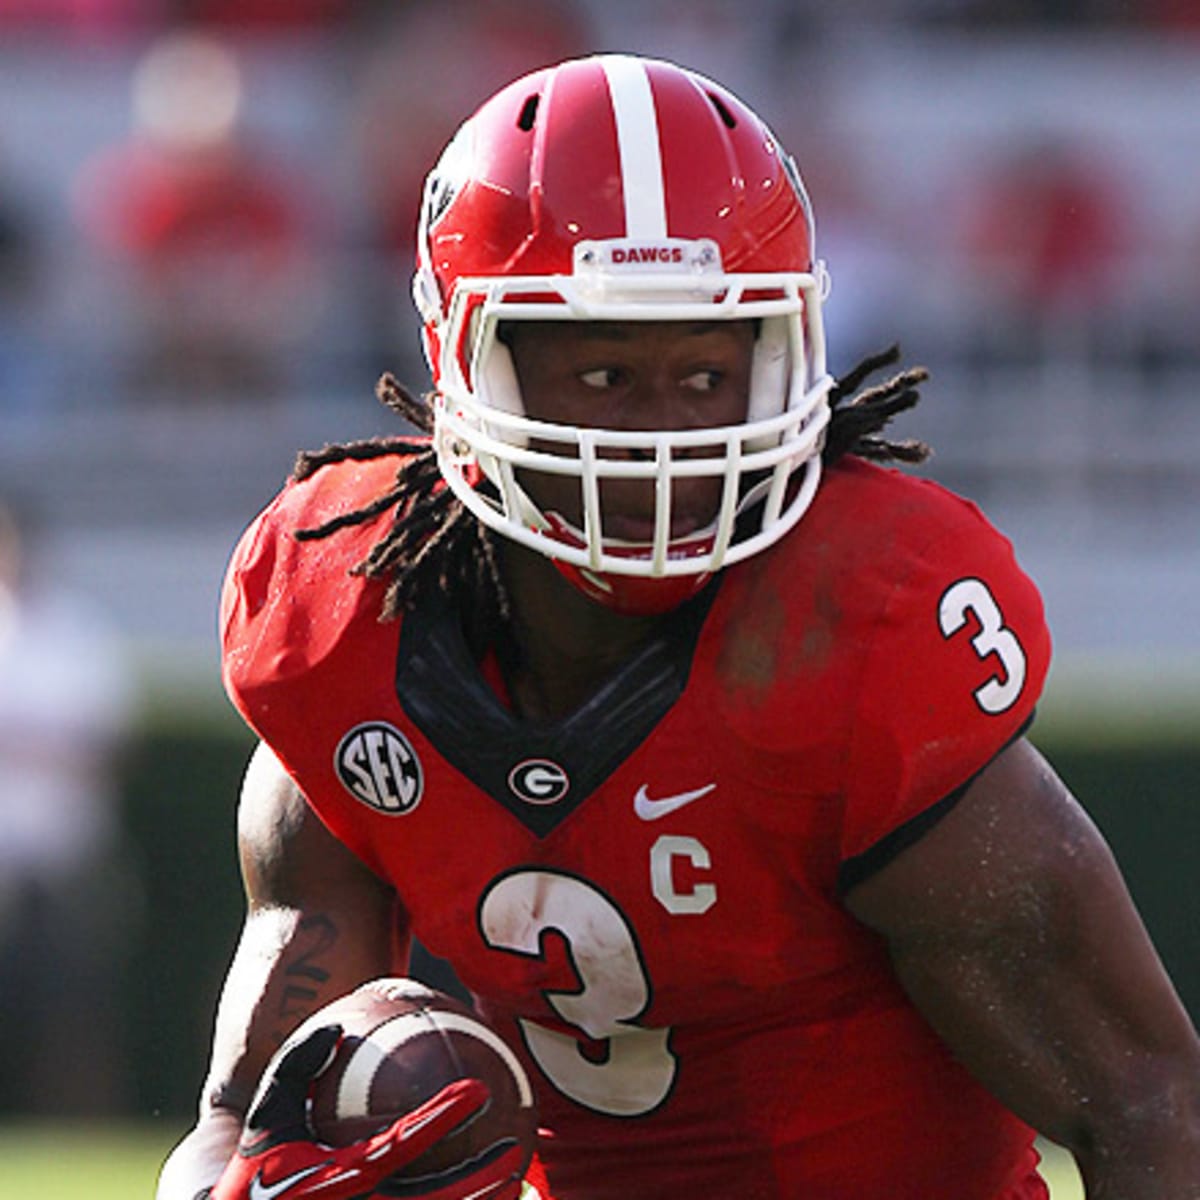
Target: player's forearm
{"points": [[1170, 1177], [1152, 1152], [198, 1160]]}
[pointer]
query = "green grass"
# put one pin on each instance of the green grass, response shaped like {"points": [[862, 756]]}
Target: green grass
{"points": [[120, 1162], [84, 1161]]}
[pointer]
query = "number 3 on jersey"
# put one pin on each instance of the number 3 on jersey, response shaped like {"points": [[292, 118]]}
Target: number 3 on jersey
{"points": [[636, 1074], [973, 596]]}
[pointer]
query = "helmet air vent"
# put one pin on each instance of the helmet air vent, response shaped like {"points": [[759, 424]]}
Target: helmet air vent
{"points": [[723, 110], [528, 113]]}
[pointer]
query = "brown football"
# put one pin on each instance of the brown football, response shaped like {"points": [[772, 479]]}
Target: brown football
{"points": [[401, 1043]]}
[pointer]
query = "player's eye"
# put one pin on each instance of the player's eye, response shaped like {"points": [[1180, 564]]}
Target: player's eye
{"points": [[602, 377], [703, 381]]}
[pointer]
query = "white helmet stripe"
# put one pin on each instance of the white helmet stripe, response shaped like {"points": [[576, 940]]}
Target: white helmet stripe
{"points": [[637, 141]]}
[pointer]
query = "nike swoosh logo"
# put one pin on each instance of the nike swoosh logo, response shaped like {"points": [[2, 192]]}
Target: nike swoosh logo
{"points": [[652, 810], [268, 1191], [416, 1126]]}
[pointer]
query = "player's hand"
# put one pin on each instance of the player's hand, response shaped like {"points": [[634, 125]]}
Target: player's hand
{"points": [[277, 1158]]}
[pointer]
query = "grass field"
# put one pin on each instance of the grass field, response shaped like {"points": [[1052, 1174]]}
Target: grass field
{"points": [[82, 1162], [86, 1162]]}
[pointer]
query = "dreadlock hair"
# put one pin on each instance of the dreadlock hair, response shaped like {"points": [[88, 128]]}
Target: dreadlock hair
{"points": [[857, 418], [435, 543], [433, 540]]}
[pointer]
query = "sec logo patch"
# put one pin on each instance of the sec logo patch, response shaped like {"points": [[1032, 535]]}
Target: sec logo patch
{"points": [[378, 766]]}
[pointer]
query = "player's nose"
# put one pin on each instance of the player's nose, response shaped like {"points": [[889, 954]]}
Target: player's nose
{"points": [[657, 403]]}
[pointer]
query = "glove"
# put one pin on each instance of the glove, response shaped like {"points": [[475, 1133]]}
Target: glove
{"points": [[277, 1158]]}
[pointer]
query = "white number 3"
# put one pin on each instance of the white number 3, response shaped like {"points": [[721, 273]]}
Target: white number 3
{"points": [[1000, 692], [636, 1071]]}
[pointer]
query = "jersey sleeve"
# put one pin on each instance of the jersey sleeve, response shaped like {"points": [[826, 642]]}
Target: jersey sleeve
{"points": [[288, 609], [287, 603], [283, 607], [953, 673], [254, 585]]}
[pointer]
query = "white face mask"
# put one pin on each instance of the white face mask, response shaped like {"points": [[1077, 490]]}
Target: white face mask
{"points": [[483, 429]]}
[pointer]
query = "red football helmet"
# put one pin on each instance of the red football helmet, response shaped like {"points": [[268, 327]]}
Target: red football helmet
{"points": [[618, 188]]}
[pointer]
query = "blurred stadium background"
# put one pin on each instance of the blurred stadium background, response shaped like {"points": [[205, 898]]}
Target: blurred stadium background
{"points": [[205, 219]]}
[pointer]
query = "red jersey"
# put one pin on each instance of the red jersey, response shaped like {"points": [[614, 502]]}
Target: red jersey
{"points": [[646, 895]]}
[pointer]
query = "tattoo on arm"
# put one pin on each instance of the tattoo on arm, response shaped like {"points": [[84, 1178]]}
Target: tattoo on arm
{"points": [[305, 975]]}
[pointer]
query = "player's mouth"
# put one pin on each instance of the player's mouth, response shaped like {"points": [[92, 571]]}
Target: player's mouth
{"points": [[639, 528]]}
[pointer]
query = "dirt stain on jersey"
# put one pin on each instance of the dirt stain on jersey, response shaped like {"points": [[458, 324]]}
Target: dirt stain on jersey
{"points": [[762, 644]]}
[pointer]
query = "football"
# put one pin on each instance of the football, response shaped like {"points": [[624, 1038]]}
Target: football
{"points": [[401, 1043]]}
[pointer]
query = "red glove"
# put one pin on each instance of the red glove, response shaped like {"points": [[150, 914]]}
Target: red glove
{"points": [[277, 1158]]}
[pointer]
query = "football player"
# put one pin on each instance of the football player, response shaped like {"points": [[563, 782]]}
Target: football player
{"points": [[693, 738]]}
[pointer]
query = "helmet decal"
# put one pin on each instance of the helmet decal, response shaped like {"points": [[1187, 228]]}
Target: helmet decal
{"points": [[446, 180]]}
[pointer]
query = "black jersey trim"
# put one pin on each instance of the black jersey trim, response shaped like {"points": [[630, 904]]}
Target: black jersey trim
{"points": [[440, 686], [862, 866]]}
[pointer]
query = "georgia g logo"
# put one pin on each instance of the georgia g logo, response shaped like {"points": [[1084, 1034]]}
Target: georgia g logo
{"points": [[539, 781], [378, 766]]}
